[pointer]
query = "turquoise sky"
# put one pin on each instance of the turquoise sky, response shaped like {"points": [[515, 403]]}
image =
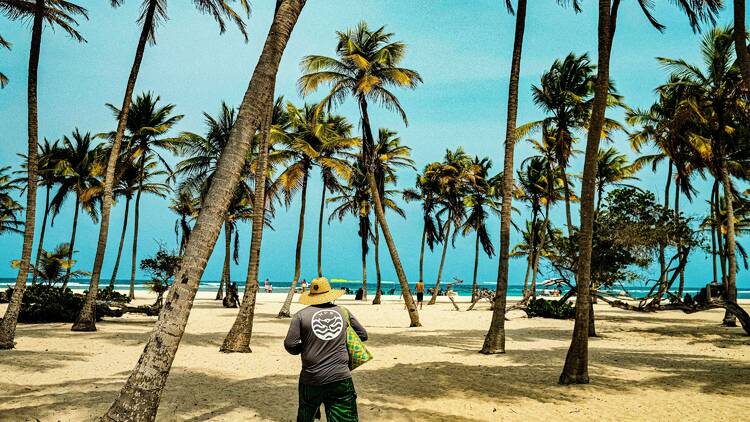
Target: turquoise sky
{"points": [[461, 48]]}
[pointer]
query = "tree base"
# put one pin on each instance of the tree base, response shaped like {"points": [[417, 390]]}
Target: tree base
{"points": [[240, 349], [83, 326], [283, 314], [415, 324], [566, 379], [492, 351], [7, 345]]}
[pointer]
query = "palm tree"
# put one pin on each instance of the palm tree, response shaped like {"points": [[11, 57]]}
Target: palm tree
{"points": [[78, 170], [575, 369], [56, 266], [61, 14], [138, 399], [9, 207], [335, 169], [4, 44], [354, 199], [494, 341], [390, 156], [132, 180], [453, 177], [186, 206], [367, 65], [153, 13], [147, 123], [314, 139], [273, 128], [612, 169], [716, 99], [48, 157], [480, 201], [427, 191]]}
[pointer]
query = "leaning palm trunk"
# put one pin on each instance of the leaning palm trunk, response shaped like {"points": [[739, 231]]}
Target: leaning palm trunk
{"points": [[494, 341], [320, 232], [575, 370], [433, 299], [136, 221], [531, 255], [740, 40], [363, 226], [680, 249], [566, 193], [540, 249], [239, 336], [139, 398], [285, 311], [367, 149], [720, 236], [421, 255], [86, 320], [378, 275], [9, 321], [730, 291], [227, 262], [662, 247], [474, 287], [122, 243], [42, 232], [72, 242]]}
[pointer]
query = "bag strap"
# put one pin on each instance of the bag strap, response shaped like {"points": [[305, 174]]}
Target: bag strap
{"points": [[346, 315]]}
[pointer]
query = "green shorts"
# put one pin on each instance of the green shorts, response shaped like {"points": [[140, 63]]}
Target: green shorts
{"points": [[339, 398]]}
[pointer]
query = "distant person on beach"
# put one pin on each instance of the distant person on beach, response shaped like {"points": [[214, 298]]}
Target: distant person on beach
{"points": [[318, 333], [359, 295], [303, 285], [420, 293], [265, 285], [269, 289]]}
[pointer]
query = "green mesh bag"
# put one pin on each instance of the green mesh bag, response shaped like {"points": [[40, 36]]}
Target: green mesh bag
{"points": [[358, 353]]}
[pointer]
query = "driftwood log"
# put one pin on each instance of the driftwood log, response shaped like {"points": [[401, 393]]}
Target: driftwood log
{"points": [[117, 309]]}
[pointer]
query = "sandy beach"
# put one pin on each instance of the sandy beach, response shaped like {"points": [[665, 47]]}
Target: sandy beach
{"points": [[665, 366]]}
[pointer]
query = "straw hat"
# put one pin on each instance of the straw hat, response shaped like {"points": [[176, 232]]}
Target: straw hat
{"points": [[320, 292]]}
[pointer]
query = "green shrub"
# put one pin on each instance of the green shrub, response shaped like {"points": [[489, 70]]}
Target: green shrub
{"points": [[109, 294], [43, 303], [550, 309]]}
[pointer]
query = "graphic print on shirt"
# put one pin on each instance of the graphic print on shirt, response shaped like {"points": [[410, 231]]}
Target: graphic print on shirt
{"points": [[327, 324]]}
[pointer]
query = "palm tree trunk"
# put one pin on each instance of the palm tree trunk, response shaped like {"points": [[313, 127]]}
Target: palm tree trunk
{"points": [[9, 321], [730, 291], [227, 262], [720, 235], [367, 148], [378, 275], [476, 268], [134, 255], [740, 40], [575, 370], [446, 241], [542, 240], [72, 240], [714, 252], [40, 247], [421, 255], [662, 247], [680, 250], [363, 228], [494, 341], [320, 232], [86, 320], [531, 255], [138, 400], [566, 193], [239, 336], [285, 311], [121, 244]]}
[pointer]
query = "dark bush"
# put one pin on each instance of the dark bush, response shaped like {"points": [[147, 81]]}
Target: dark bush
{"points": [[108, 294], [43, 303], [550, 309]]}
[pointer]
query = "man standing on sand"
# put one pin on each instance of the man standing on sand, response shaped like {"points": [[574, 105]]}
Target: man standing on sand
{"points": [[420, 293], [318, 333]]}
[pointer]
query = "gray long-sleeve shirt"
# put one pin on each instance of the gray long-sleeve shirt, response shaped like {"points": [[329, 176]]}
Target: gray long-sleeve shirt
{"points": [[318, 332]]}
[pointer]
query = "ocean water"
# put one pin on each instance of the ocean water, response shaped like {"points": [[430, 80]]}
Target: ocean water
{"points": [[388, 287]]}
